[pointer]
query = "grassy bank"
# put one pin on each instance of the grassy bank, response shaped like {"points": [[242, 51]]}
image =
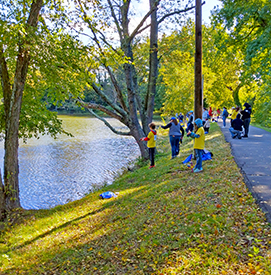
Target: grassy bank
{"points": [[165, 220], [262, 127]]}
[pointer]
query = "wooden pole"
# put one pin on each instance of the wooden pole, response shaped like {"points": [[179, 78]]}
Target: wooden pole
{"points": [[198, 103]]}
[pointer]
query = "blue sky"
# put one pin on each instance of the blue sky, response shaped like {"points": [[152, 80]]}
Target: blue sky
{"points": [[207, 7]]}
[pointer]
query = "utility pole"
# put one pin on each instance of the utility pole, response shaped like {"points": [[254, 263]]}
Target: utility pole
{"points": [[198, 96]]}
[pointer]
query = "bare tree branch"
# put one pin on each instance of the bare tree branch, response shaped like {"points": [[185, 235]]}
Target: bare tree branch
{"points": [[91, 106], [109, 125], [176, 12], [137, 29], [117, 89], [115, 19], [108, 101], [100, 108]]}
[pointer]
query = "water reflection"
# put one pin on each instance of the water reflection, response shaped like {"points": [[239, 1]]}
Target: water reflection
{"points": [[53, 172]]}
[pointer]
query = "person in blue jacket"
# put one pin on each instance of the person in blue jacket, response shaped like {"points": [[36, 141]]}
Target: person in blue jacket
{"points": [[176, 133], [225, 114]]}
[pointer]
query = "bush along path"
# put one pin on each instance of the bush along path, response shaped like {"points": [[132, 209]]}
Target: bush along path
{"points": [[165, 220]]}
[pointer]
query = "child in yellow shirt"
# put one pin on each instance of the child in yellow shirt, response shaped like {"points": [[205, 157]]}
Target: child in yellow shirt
{"points": [[199, 143], [151, 144]]}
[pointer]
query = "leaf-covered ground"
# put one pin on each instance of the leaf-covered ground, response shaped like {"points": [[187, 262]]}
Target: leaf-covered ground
{"points": [[165, 220]]}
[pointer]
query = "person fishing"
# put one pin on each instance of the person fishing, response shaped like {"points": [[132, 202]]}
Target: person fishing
{"points": [[176, 133]]}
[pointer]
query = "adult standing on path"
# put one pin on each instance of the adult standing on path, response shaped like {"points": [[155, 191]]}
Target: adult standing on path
{"points": [[246, 118], [176, 132], [255, 164], [225, 114]]}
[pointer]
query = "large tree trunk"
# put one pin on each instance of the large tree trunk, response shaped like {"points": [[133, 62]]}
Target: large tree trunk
{"points": [[12, 106], [153, 61], [2, 199], [130, 78], [11, 165], [198, 98], [133, 124]]}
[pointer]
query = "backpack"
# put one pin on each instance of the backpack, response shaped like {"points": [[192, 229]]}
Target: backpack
{"points": [[226, 114]]}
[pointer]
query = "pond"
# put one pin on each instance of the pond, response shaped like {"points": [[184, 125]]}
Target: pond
{"points": [[56, 171]]}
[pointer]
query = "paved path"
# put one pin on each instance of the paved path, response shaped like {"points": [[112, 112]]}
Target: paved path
{"points": [[253, 156]]}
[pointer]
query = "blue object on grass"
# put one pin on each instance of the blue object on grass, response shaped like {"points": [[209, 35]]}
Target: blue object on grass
{"points": [[188, 159], [206, 156], [108, 195]]}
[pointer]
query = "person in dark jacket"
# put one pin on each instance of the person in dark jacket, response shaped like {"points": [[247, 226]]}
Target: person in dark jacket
{"points": [[236, 127], [176, 132], [246, 118], [190, 122]]}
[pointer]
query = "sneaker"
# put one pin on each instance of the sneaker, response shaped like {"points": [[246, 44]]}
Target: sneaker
{"points": [[152, 166], [197, 170], [245, 136], [235, 136]]}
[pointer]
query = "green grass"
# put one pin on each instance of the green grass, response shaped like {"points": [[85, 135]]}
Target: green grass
{"points": [[165, 220], [262, 127]]}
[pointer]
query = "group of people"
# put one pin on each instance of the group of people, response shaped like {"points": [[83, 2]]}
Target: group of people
{"points": [[176, 134], [240, 121], [197, 130]]}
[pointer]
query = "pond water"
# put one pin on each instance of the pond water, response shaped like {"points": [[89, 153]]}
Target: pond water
{"points": [[56, 171]]}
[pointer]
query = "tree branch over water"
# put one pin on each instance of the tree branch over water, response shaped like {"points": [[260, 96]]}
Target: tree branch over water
{"points": [[91, 106]]}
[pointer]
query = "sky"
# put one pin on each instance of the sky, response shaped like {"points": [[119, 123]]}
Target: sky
{"points": [[142, 7], [207, 7]]}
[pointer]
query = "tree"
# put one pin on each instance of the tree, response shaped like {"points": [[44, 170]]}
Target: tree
{"points": [[222, 70], [12, 95], [248, 25], [177, 70], [32, 60], [130, 99]]}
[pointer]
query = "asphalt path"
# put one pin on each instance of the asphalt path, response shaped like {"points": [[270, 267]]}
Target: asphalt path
{"points": [[253, 156]]}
